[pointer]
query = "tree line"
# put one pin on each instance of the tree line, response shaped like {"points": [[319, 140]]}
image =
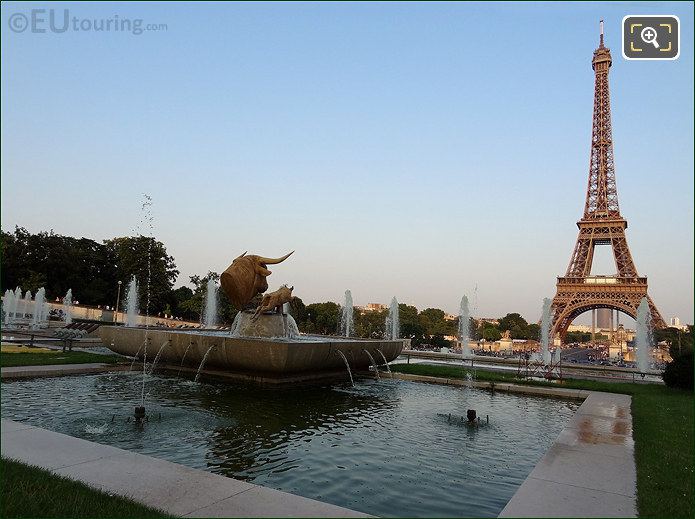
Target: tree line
{"points": [[93, 269]]}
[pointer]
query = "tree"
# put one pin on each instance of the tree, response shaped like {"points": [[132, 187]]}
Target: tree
{"points": [[438, 341], [509, 321], [433, 322], [533, 332], [192, 307], [579, 337], [298, 310], [518, 327], [411, 328], [476, 332], [59, 263], [679, 341], [322, 318], [147, 260], [176, 303], [491, 332], [370, 325], [678, 372]]}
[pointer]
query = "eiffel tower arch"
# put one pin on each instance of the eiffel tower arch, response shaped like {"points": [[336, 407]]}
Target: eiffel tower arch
{"points": [[602, 224]]}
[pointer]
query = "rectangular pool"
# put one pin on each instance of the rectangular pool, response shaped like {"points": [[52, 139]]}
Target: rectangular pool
{"points": [[386, 448]]}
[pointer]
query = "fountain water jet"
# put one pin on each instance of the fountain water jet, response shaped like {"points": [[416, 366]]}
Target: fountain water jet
{"points": [[131, 303], [393, 328], [156, 358], [347, 365], [39, 315], [26, 303], [347, 325], [464, 328], [190, 343], [291, 328], [546, 323], [376, 368], [643, 340], [18, 304], [9, 306], [202, 363], [17, 299], [236, 324], [136, 356], [469, 380], [67, 307], [386, 362], [4, 316], [209, 314]]}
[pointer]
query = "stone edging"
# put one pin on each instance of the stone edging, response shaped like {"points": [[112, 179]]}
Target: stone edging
{"points": [[558, 392], [58, 370]]}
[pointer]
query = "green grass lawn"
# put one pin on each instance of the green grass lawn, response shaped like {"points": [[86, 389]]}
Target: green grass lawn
{"points": [[58, 357], [434, 370], [33, 492], [662, 422]]}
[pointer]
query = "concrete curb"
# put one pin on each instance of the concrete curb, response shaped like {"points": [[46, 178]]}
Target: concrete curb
{"points": [[173, 488], [557, 392], [590, 469]]}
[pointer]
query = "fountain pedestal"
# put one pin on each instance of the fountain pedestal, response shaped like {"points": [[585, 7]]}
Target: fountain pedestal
{"points": [[271, 361], [267, 325]]}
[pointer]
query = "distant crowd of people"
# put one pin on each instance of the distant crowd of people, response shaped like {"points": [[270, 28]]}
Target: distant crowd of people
{"points": [[59, 314], [60, 300]]}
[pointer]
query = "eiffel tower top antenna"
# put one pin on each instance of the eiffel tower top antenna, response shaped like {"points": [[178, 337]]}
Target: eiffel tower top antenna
{"points": [[601, 41]]}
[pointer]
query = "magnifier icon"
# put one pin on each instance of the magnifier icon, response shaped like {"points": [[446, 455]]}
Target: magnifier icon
{"points": [[648, 35]]}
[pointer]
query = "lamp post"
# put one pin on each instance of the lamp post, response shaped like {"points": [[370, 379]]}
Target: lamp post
{"points": [[118, 300]]}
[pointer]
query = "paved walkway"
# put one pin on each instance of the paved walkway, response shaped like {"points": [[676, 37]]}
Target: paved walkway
{"points": [[173, 488], [57, 370], [590, 469]]}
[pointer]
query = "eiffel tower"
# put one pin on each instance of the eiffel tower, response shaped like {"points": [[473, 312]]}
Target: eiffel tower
{"points": [[578, 291]]}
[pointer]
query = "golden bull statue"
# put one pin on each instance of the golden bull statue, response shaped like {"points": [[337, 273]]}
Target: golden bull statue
{"points": [[246, 277]]}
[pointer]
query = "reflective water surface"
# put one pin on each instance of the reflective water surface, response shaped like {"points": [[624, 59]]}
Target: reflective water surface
{"points": [[387, 448]]}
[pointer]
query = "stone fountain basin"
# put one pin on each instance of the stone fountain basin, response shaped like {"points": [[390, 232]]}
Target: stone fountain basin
{"points": [[271, 357]]}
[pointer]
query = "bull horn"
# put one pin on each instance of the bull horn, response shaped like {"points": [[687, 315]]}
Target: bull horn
{"points": [[273, 261], [244, 254]]}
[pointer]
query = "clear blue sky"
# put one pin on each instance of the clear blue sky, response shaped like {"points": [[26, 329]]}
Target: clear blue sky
{"points": [[415, 150]]}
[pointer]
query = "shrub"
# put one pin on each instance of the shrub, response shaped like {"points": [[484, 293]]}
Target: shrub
{"points": [[679, 372]]}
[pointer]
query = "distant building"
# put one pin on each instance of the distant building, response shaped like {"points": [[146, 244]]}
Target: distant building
{"points": [[676, 323], [374, 307], [450, 317], [603, 318], [579, 328]]}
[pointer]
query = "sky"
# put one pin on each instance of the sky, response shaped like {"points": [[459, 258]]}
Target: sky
{"points": [[417, 150]]}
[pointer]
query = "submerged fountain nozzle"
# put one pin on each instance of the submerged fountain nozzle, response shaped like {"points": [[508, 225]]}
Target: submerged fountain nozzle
{"points": [[471, 414], [140, 416]]}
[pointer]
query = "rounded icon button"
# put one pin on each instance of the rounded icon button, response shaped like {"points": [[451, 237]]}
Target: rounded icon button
{"points": [[18, 22], [648, 36]]}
